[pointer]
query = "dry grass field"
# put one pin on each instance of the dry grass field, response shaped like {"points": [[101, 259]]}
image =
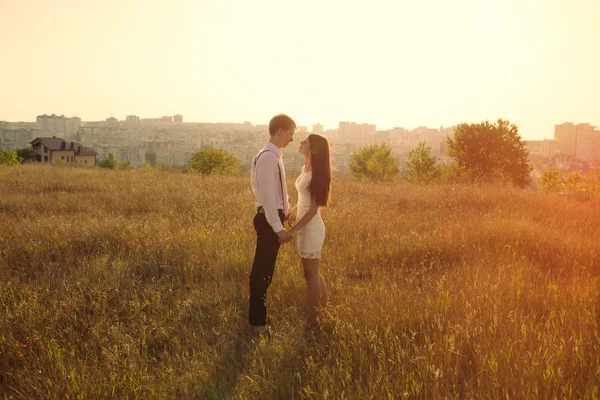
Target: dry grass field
{"points": [[134, 284]]}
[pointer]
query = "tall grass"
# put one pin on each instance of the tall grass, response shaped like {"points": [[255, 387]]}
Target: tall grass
{"points": [[134, 284]]}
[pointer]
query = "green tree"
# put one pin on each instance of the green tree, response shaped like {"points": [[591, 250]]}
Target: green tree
{"points": [[25, 154], [9, 158], [374, 163], [59, 162], [421, 166], [110, 162], [551, 181], [213, 161], [489, 151]]}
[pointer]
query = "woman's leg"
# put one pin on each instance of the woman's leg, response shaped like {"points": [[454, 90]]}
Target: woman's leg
{"points": [[313, 282]]}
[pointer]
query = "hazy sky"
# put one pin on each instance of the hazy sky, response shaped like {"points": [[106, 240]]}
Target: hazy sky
{"points": [[391, 63]]}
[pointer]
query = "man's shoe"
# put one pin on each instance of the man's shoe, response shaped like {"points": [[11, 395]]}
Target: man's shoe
{"points": [[267, 334]]}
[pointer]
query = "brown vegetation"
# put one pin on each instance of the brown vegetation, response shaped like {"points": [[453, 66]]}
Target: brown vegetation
{"points": [[135, 284]]}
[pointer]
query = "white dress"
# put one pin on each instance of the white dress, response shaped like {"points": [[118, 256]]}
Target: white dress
{"points": [[311, 236]]}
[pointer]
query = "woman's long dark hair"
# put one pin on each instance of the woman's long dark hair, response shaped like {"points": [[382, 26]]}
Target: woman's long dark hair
{"points": [[320, 183]]}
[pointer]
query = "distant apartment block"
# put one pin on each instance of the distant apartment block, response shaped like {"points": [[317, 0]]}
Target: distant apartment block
{"points": [[317, 128], [581, 141], [160, 152], [302, 129], [181, 156], [565, 136], [541, 148], [132, 119], [48, 150], [11, 139], [59, 126], [135, 154], [178, 119], [340, 159], [379, 137], [351, 132], [112, 122], [588, 143], [548, 148], [293, 163]]}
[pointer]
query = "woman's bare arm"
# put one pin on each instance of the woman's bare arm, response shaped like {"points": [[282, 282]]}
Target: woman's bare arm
{"points": [[307, 217]]}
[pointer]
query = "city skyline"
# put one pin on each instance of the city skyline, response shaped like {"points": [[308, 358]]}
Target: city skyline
{"points": [[178, 118], [393, 65]]}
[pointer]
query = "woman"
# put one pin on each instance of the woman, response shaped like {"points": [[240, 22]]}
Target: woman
{"points": [[313, 186]]}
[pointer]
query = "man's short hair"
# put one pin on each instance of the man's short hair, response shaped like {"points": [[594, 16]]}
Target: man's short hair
{"points": [[280, 121]]}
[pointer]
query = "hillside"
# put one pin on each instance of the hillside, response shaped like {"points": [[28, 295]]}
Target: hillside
{"points": [[135, 284]]}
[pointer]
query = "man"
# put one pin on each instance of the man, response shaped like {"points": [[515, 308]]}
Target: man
{"points": [[268, 185]]}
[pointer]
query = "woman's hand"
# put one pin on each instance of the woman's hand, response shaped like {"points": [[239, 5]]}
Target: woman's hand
{"points": [[291, 217]]}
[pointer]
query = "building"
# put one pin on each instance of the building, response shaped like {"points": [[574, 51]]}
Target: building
{"points": [[112, 122], [317, 128], [340, 159], [351, 132], [132, 119], [565, 136], [549, 148], [581, 141], [588, 143], [178, 119], [262, 128], [158, 152], [12, 139], [134, 153], [49, 150], [60, 126]]}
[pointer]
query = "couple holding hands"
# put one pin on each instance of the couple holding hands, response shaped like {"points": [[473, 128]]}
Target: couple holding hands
{"points": [[269, 187]]}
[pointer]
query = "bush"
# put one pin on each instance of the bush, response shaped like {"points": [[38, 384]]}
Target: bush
{"points": [[147, 166], [213, 161], [491, 152], [110, 162], [9, 158], [374, 163], [421, 166], [25, 154], [552, 181], [125, 165], [573, 184]]}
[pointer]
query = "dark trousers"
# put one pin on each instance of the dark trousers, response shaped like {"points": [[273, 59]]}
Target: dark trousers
{"points": [[267, 247]]}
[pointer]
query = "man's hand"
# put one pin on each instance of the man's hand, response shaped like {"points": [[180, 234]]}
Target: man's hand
{"points": [[284, 236]]}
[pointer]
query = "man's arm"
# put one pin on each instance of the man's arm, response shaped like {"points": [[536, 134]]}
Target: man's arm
{"points": [[267, 174]]}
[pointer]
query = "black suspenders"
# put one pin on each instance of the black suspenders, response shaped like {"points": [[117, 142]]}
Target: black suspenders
{"points": [[278, 166]]}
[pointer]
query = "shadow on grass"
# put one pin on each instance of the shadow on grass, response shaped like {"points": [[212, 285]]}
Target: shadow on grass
{"points": [[271, 368], [223, 381]]}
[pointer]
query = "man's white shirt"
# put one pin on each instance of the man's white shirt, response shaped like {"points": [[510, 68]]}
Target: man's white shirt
{"points": [[268, 186]]}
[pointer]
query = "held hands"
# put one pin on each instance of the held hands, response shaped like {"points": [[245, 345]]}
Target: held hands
{"points": [[284, 236]]}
